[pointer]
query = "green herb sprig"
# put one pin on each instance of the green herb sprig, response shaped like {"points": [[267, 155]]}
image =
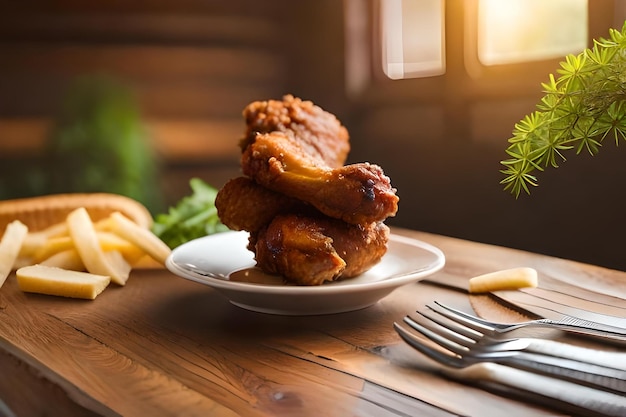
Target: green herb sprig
{"points": [[194, 216], [583, 106]]}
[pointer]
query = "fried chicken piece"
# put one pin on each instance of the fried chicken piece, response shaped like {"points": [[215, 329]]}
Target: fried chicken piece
{"points": [[321, 136], [311, 219], [242, 204], [307, 248], [312, 250], [357, 193]]}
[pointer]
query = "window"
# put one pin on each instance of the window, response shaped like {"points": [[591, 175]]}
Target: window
{"points": [[497, 32], [412, 34], [433, 49], [516, 31]]}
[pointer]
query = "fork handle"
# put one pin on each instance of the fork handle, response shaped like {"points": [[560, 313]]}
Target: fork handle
{"points": [[595, 376], [552, 392]]}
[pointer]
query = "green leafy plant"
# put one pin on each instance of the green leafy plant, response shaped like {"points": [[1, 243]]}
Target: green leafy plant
{"points": [[194, 216], [99, 144], [581, 107]]}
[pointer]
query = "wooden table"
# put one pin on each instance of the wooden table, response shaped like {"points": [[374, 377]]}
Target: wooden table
{"points": [[166, 346]]}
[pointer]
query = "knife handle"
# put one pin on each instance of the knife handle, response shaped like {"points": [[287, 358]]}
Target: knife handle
{"points": [[615, 360], [551, 392]]}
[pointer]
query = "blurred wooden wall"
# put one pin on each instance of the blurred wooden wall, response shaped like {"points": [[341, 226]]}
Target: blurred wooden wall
{"points": [[192, 65]]}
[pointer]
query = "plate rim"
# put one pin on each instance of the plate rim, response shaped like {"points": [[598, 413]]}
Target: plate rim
{"points": [[292, 290]]}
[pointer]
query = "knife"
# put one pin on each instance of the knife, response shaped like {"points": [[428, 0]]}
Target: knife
{"points": [[540, 303], [554, 310]]}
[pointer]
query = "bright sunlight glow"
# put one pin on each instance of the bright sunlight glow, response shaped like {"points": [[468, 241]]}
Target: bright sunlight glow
{"points": [[514, 31]]}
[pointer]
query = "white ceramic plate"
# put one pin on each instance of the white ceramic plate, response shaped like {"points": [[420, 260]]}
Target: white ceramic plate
{"points": [[222, 261]]}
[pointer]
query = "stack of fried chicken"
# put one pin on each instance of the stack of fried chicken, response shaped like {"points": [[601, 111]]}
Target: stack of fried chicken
{"points": [[311, 218]]}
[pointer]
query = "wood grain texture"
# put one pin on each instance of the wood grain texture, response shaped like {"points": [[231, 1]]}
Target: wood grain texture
{"points": [[140, 62], [165, 346], [27, 381], [175, 140]]}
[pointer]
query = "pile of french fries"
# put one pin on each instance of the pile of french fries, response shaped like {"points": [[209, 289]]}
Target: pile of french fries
{"points": [[110, 247]]}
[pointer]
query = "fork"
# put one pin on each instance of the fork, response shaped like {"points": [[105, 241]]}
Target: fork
{"points": [[531, 355], [489, 337], [462, 324], [537, 327], [551, 392], [563, 392]]}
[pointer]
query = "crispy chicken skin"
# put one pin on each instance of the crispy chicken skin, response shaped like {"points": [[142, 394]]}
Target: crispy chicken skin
{"points": [[291, 238], [312, 250], [320, 135], [242, 204], [357, 193], [295, 148]]}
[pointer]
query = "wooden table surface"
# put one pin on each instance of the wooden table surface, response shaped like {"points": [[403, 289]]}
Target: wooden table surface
{"points": [[166, 346]]}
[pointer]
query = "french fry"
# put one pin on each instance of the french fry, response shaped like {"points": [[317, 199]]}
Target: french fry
{"points": [[21, 261], [140, 236], [107, 236], [31, 244], [110, 241], [35, 240], [54, 230], [10, 245], [508, 279], [120, 265], [107, 240], [104, 225], [51, 247], [96, 261], [54, 281], [68, 259]]}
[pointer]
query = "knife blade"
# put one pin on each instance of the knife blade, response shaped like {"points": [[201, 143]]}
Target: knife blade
{"points": [[557, 311], [581, 292], [608, 306], [541, 304]]}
